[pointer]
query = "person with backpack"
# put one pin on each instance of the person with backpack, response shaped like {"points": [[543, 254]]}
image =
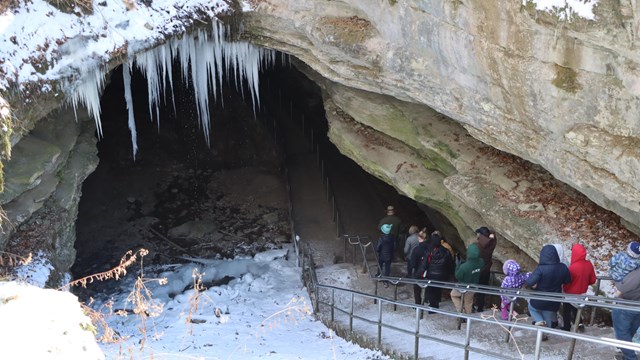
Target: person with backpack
{"points": [[392, 219], [438, 267], [418, 255], [467, 272], [582, 275], [385, 252]]}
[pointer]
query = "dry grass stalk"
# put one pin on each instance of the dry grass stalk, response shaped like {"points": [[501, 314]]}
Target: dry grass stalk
{"points": [[515, 319], [297, 308], [8, 259], [194, 300], [115, 273]]}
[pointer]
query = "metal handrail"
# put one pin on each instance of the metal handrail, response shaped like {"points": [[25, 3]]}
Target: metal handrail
{"points": [[380, 300], [596, 301], [579, 300]]}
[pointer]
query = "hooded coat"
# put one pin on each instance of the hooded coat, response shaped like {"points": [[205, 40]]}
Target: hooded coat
{"points": [[514, 278], [549, 276], [486, 244], [622, 264], [468, 272], [581, 270]]}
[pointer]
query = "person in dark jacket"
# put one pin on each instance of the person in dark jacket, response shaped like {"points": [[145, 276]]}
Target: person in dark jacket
{"points": [[549, 276], [467, 272], [385, 252], [417, 254], [392, 219], [486, 240], [440, 265]]}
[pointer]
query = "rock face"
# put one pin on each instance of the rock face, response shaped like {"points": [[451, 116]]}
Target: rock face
{"points": [[43, 187], [414, 92], [560, 94]]}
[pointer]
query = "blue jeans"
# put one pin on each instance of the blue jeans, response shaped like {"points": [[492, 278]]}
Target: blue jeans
{"points": [[625, 324], [543, 315]]}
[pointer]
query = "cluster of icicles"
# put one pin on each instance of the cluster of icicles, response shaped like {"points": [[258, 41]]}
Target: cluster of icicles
{"points": [[208, 56]]}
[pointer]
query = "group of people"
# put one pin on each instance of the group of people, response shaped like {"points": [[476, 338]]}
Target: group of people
{"points": [[431, 257]]}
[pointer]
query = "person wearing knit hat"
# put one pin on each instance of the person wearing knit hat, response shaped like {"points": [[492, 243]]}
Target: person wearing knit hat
{"points": [[385, 251], [514, 280], [396, 223], [625, 262]]}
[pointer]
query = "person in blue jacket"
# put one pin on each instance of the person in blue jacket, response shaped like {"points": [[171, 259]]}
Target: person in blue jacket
{"points": [[549, 276]]}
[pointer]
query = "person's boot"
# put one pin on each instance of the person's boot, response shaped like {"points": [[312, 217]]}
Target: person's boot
{"points": [[505, 313]]}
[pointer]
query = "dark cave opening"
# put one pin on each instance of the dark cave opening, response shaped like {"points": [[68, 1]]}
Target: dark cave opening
{"points": [[174, 199]]}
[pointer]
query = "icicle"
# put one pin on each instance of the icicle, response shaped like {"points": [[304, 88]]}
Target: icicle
{"points": [[126, 76], [204, 61], [88, 92], [147, 62]]}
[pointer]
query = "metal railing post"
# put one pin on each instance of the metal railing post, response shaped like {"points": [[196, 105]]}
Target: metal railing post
{"points": [[351, 314], [333, 303], [511, 305], [345, 240], [467, 339], [395, 297], [417, 335], [379, 323], [536, 356], [574, 328], [593, 309]]}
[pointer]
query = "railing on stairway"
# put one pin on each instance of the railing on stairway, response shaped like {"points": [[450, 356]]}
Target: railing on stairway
{"points": [[304, 259], [581, 301]]}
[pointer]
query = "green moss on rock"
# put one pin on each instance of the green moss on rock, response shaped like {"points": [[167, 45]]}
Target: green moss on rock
{"points": [[431, 160]]}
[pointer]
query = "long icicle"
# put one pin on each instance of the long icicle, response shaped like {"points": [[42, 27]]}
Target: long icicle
{"points": [[126, 76], [207, 58], [88, 92]]}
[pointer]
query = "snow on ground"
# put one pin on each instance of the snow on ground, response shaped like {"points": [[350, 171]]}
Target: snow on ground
{"points": [[44, 324], [262, 312]]}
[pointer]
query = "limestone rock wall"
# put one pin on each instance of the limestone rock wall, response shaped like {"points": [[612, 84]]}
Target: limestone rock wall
{"points": [[43, 187], [560, 94]]}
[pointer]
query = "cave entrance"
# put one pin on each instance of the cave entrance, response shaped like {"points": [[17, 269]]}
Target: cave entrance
{"points": [[181, 198]]}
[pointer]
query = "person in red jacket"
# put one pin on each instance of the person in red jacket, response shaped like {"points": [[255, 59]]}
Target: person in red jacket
{"points": [[582, 275]]}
